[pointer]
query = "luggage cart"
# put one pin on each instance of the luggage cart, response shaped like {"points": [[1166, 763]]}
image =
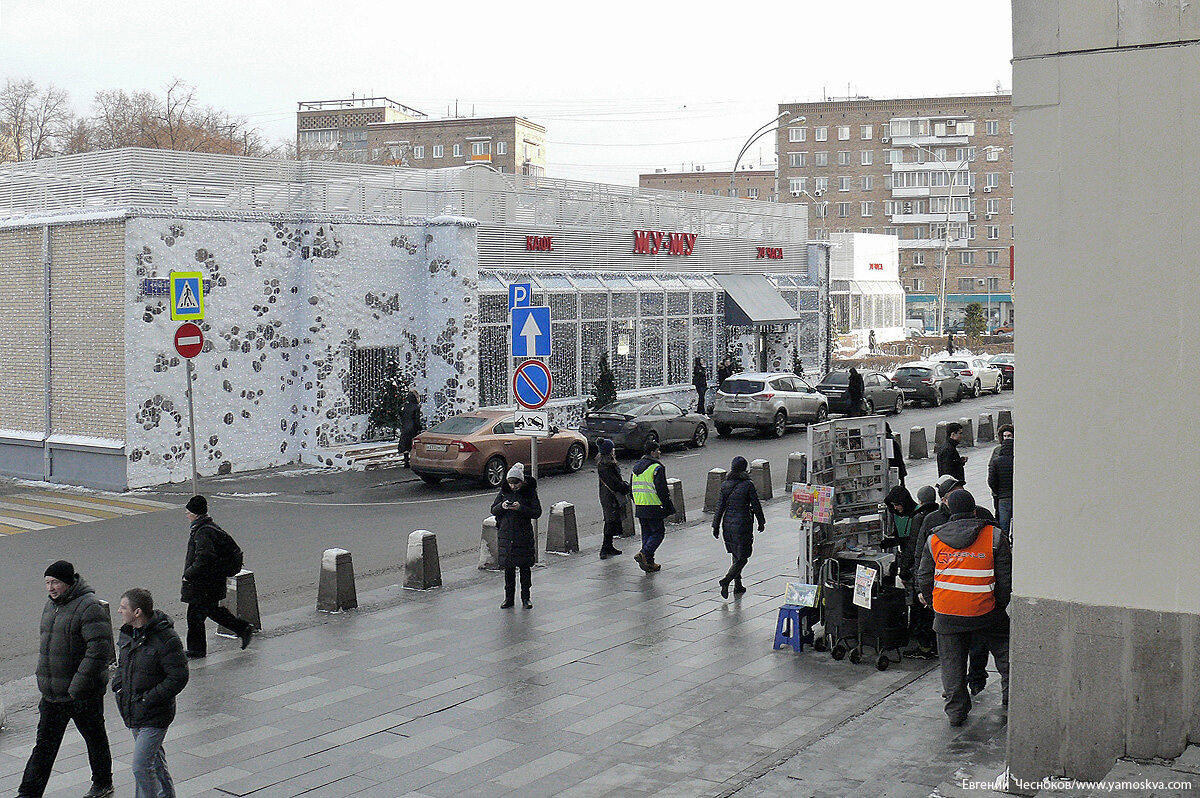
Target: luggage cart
{"points": [[839, 614], [883, 627]]}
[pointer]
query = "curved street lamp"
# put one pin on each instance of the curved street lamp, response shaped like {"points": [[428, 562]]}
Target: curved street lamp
{"points": [[755, 136]]}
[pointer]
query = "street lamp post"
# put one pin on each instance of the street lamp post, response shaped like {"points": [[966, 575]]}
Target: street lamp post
{"points": [[755, 136]]}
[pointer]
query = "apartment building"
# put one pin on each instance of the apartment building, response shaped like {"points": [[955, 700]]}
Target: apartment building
{"points": [[936, 172], [749, 183], [378, 130]]}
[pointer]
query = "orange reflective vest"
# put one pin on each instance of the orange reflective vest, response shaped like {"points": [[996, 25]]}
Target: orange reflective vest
{"points": [[964, 580]]}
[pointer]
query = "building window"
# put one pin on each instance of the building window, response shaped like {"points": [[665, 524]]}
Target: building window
{"points": [[992, 127], [991, 180], [1011, 205], [438, 150], [843, 132], [820, 159], [993, 234], [893, 156], [822, 134], [821, 209], [866, 132], [752, 193], [916, 281], [966, 258], [867, 210], [457, 151], [502, 148], [797, 134], [868, 182], [843, 184], [797, 184], [798, 160], [481, 148], [867, 230], [843, 157], [993, 257], [821, 184], [971, 234], [891, 231], [964, 153], [418, 152], [918, 260], [887, 182], [919, 231], [992, 206], [843, 210], [993, 285], [965, 284], [992, 153], [867, 157]]}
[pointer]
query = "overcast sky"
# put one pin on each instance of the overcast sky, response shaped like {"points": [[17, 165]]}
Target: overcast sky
{"points": [[621, 87]]}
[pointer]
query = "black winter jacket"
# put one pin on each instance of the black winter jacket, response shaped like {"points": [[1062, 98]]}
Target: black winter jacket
{"points": [[913, 543], [410, 423], [203, 581], [514, 528], [960, 533], [660, 487], [737, 508], [949, 461], [151, 671], [76, 646], [613, 490], [1000, 471]]}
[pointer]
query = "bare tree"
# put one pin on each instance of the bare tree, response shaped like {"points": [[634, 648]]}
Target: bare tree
{"points": [[35, 120], [15, 101]]}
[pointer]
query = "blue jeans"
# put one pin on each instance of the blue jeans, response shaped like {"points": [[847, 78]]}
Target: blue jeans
{"points": [[653, 532], [150, 776], [1004, 513]]}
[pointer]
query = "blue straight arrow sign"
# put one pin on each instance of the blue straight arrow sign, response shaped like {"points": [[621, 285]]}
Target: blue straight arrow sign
{"points": [[531, 332]]}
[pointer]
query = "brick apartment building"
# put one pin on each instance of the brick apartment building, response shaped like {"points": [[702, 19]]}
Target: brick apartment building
{"points": [[910, 168], [756, 184], [378, 130]]}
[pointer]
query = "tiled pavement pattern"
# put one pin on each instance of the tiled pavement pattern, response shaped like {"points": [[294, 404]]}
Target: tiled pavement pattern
{"points": [[33, 510], [616, 684]]}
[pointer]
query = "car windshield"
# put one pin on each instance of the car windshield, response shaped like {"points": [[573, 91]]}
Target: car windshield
{"points": [[955, 364], [460, 425], [1002, 359], [737, 386], [909, 371], [837, 378], [626, 407]]}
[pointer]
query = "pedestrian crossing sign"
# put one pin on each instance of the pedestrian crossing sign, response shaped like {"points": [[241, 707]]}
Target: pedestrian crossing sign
{"points": [[187, 296]]}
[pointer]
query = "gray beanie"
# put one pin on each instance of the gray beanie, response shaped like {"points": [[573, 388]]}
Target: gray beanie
{"points": [[516, 472], [926, 495]]}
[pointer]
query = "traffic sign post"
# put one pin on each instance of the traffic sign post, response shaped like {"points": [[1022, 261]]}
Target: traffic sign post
{"points": [[532, 384], [187, 296], [520, 295], [189, 340], [533, 423], [531, 331]]}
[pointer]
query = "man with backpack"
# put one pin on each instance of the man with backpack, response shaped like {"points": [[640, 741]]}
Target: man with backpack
{"points": [[212, 556]]}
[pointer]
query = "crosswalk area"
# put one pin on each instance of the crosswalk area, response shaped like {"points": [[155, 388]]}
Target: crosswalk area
{"points": [[33, 510]]}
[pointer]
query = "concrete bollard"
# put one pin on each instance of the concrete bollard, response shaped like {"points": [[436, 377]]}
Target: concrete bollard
{"points": [[562, 533], [968, 432], [489, 546], [939, 436], [335, 591], [241, 598], [986, 431], [675, 487], [760, 475], [1004, 417], [628, 523], [797, 469], [712, 489], [423, 569], [918, 444]]}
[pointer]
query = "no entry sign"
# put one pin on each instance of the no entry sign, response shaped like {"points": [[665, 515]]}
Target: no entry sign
{"points": [[531, 384], [189, 340]]}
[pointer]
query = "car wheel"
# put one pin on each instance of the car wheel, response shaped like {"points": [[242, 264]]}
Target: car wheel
{"points": [[899, 405], [869, 407], [700, 436], [976, 390], [724, 430], [494, 470], [937, 398], [651, 437], [778, 425], [999, 385], [428, 479], [822, 415], [576, 455]]}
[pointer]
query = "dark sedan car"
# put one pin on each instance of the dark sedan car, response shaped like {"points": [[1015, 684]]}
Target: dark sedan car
{"points": [[879, 394], [632, 423], [1007, 364], [932, 383]]}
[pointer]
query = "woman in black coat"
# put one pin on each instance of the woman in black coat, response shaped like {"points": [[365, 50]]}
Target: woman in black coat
{"points": [[515, 507], [855, 392], [613, 490], [737, 508], [896, 461], [410, 423], [700, 383]]}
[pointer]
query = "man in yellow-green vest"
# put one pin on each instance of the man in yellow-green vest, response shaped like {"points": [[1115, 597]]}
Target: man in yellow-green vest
{"points": [[652, 504]]}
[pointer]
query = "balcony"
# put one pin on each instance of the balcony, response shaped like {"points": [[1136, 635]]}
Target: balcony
{"points": [[928, 218], [929, 140], [932, 243]]}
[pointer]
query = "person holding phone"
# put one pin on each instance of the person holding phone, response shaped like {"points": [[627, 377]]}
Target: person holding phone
{"points": [[515, 507]]}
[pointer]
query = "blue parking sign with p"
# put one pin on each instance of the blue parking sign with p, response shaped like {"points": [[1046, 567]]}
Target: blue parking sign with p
{"points": [[520, 295], [187, 296]]}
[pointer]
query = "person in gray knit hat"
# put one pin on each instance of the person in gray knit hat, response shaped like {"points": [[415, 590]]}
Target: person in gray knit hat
{"points": [[72, 674], [515, 507]]}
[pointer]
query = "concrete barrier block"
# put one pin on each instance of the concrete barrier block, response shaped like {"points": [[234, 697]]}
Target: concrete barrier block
{"points": [[241, 598], [797, 469], [968, 432], [423, 570], [939, 436], [562, 532], [712, 489], [986, 431], [918, 444], [336, 592], [1004, 417], [628, 523], [675, 487], [760, 475], [489, 546]]}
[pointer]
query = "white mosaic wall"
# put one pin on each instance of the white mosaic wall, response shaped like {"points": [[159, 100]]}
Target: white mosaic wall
{"points": [[289, 300]]}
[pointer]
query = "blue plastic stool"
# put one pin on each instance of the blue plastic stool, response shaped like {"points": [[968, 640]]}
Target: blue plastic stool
{"points": [[793, 627]]}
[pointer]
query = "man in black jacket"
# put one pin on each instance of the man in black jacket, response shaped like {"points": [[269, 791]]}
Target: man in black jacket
{"points": [[1000, 477], [949, 461], [151, 671], [920, 624], [204, 581], [73, 657]]}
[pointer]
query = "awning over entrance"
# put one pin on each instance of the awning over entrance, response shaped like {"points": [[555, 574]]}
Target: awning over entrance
{"points": [[752, 301]]}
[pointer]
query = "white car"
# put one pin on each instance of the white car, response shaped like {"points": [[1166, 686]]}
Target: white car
{"points": [[977, 374]]}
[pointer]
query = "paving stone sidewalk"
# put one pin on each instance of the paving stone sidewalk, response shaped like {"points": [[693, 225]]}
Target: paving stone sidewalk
{"points": [[616, 683]]}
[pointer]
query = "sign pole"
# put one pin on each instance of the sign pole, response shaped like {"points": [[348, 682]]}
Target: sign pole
{"points": [[192, 428]]}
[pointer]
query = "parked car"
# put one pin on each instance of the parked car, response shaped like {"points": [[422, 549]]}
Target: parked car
{"points": [[879, 394], [1005, 331], [1006, 363], [929, 382], [632, 423], [975, 374], [482, 445], [770, 401]]}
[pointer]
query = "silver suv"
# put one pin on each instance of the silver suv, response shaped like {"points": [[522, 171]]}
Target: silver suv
{"points": [[769, 401]]}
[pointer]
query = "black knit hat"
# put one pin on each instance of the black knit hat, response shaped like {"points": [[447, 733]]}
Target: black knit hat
{"points": [[63, 571], [961, 503], [197, 505]]}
